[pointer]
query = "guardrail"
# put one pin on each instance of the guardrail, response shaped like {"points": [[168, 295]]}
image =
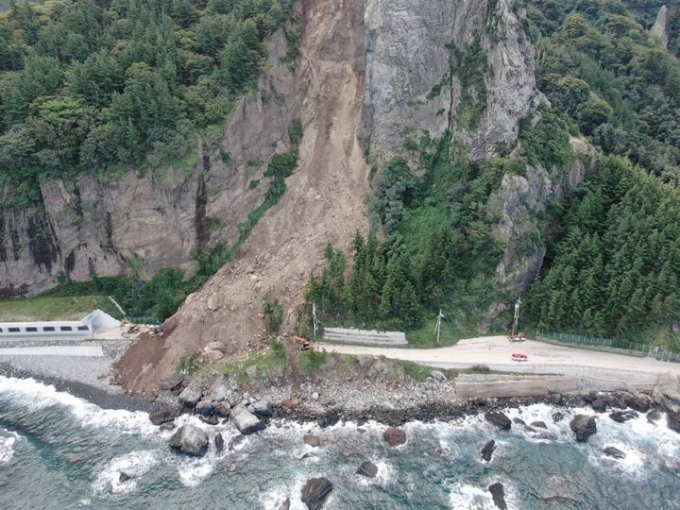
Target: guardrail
{"points": [[366, 337]]}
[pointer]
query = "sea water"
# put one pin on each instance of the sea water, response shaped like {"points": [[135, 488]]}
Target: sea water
{"points": [[60, 452]]}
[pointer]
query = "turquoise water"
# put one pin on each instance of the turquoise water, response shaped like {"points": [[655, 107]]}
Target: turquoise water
{"points": [[58, 452]]}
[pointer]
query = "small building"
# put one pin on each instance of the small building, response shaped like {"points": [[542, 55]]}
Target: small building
{"points": [[58, 330]]}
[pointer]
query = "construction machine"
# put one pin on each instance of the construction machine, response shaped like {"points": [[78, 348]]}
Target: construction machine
{"points": [[305, 345]]}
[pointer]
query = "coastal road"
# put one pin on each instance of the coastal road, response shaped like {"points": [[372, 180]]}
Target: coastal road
{"points": [[495, 352]]}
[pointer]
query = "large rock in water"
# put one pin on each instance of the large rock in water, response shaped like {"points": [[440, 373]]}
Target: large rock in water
{"points": [[245, 421], [614, 452], [315, 492], [394, 436], [162, 415], [583, 426], [673, 421], [367, 469], [488, 449], [498, 419], [190, 440], [623, 416], [498, 494]]}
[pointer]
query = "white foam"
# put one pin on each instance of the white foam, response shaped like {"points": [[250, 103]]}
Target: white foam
{"points": [[7, 446], [469, 497], [192, 472], [37, 396], [134, 464]]}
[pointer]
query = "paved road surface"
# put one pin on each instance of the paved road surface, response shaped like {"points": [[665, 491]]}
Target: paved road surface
{"points": [[495, 352]]}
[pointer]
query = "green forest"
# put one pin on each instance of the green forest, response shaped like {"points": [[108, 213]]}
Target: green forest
{"points": [[101, 86], [613, 243]]}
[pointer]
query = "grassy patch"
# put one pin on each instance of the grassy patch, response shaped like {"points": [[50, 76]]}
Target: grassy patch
{"points": [[311, 361], [415, 371], [426, 337], [47, 308], [189, 365], [269, 362]]}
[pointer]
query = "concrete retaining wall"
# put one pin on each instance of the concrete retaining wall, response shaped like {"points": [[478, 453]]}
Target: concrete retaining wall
{"points": [[365, 337], [572, 378]]}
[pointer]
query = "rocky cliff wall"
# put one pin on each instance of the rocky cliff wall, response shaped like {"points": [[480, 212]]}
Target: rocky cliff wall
{"points": [[368, 69], [152, 221]]}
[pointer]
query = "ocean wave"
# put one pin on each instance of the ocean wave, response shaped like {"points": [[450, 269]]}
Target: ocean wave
{"points": [[134, 464], [469, 497], [35, 396]]}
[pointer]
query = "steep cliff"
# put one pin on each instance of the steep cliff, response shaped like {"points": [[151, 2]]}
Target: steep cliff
{"points": [[370, 74]]}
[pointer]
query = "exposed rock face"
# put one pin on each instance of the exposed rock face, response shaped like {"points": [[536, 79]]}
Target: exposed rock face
{"points": [[659, 27], [498, 494], [367, 70], [245, 421], [487, 450], [367, 469], [172, 382], [191, 394], [315, 492], [583, 426], [498, 419], [394, 436], [190, 440], [673, 421]]}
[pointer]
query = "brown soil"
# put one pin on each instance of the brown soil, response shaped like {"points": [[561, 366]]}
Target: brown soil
{"points": [[324, 203]]}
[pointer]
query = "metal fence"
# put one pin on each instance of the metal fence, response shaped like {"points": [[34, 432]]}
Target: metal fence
{"points": [[154, 321], [594, 340], [658, 353]]}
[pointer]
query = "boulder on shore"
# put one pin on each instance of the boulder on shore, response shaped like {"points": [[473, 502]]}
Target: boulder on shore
{"points": [[487, 450], [191, 394], [245, 421], [190, 440], [171, 382], [394, 436], [312, 440], [315, 492], [623, 416], [498, 494], [583, 426], [163, 414], [498, 419], [367, 469]]}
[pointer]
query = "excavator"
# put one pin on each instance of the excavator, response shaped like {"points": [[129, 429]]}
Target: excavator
{"points": [[305, 345]]}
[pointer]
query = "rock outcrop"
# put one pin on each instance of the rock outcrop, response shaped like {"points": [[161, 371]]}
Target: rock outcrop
{"points": [[659, 27], [498, 419], [190, 440], [498, 494], [613, 452], [583, 427], [367, 469], [315, 492], [312, 440], [487, 450], [394, 436]]}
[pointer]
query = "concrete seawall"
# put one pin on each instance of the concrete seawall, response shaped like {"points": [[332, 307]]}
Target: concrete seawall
{"points": [[573, 378]]}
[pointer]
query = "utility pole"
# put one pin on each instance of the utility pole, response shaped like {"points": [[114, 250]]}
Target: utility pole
{"points": [[515, 321], [438, 327], [314, 322]]}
